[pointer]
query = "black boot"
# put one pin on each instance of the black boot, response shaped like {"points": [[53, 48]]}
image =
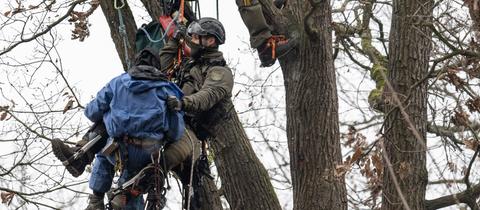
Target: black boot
{"points": [[275, 47], [64, 152], [95, 203]]}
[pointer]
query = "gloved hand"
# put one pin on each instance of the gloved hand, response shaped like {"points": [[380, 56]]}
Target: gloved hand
{"points": [[180, 32], [173, 104]]}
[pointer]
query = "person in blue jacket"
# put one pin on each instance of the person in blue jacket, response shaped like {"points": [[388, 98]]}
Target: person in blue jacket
{"points": [[134, 111]]}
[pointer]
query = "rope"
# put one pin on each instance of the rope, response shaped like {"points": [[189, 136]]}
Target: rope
{"points": [[190, 191], [182, 9], [116, 5], [164, 35], [217, 12], [197, 9], [150, 38], [122, 30]]}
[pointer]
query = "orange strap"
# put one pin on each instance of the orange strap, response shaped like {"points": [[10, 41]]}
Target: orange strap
{"points": [[182, 9], [272, 42], [179, 53]]}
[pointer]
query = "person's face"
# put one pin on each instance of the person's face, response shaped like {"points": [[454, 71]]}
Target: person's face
{"points": [[206, 41], [195, 38]]}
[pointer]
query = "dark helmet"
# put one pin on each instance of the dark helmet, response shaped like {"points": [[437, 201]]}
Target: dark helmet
{"points": [[208, 26]]}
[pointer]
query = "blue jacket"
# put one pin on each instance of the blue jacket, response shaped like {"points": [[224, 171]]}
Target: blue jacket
{"points": [[137, 108]]}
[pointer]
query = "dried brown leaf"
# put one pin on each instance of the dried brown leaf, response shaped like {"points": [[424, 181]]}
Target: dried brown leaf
{"points": [[471, 144], [357, 155], [452, 166], [3, 116], [367, 171], [454, 79], [377, 162], [460, 118], [7, 13], [6, 197], [341, 170], [473, 104], [68, 106]]}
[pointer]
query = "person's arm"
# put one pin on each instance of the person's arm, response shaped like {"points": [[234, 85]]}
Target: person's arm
{"points": [[217, 86], [100, 104]]}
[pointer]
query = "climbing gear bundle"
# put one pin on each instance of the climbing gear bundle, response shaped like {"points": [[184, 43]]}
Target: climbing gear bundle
{"points": [[150, 180]]}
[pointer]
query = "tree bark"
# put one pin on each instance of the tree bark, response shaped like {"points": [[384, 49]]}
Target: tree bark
{"points": [[474, 10], [211, 199], [312, 104], [245, 181], [153, 8], [111, 14], [406, 126]]}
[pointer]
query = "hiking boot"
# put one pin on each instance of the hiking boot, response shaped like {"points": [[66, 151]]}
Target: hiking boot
{"points": [[64, 153], [95, 203], [275, 47], [118, 201], [280, 3]]}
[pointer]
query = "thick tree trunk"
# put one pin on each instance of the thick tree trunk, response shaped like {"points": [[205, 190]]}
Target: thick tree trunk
{"points": [[474, 10], [111, 14], [245, 181], [312, 105], [153, 8], [211, 199], [406, 126]]}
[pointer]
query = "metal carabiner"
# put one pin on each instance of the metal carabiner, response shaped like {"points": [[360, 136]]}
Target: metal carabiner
{"points": [[116, 5]]}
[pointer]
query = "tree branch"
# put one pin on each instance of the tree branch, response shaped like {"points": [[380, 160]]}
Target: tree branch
{"points": [[47, 29]]}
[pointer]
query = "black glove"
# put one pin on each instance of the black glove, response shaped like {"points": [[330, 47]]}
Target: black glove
{"points": [[173, 104], [180, 32]]}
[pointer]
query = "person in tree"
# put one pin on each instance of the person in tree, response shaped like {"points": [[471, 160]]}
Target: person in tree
{"points": [[205, 78], [269, 47], [132, 108]]}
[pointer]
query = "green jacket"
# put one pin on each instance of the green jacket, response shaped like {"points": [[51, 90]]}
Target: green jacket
{"points": [[207, 84]]}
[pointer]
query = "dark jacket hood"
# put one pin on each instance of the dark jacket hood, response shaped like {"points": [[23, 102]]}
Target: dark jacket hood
{"points": [[145, 73]]}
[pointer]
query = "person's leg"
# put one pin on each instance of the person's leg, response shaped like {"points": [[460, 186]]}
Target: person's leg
{"points": [[64, 153], [252, 16], [178, 152], [100, 182], [269, 47], [184, 168]]}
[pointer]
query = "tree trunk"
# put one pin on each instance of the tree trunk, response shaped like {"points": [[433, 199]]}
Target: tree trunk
{"points": [[111, 14], [245, 182], [153, 8], [405, 127], [312, 104], [474, 10], [211, 196]]}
